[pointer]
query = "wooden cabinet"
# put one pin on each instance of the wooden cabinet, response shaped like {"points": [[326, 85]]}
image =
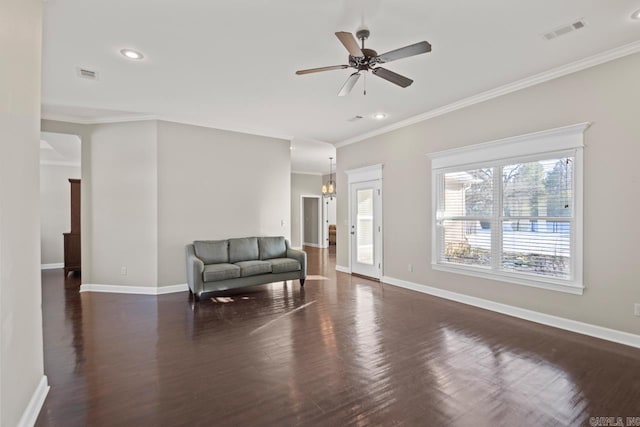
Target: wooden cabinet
{"points": [[72, 248]]}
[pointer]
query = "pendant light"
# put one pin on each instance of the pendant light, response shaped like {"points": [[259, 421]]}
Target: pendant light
{"points": [[329, 189]]}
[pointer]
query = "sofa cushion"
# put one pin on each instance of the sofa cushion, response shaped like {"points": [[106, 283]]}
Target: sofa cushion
{"points": [[215, 272], [253, 268], [244, 249], [212, 251], [284, 265], [272, 247]]}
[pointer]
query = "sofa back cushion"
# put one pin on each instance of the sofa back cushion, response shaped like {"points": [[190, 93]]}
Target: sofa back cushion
{"points": [[212, 251], [272, 247], [244, 249]]}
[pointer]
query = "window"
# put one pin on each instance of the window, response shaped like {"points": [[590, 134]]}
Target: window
{"points": [[511, 210]]}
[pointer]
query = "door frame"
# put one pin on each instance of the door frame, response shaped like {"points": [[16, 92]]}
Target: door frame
{"points": [[367, 173], [320, 234]]}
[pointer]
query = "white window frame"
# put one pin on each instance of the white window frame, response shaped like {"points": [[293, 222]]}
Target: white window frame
{"points": [[566, 141]]}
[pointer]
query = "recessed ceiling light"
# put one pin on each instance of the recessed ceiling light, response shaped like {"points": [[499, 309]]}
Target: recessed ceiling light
{"points": [[636, 14], [379, 116], [131, 54]]}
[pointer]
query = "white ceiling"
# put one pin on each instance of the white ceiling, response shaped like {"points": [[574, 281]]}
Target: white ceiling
{"points": [[60, 149], [311, 156], [230, 64]]}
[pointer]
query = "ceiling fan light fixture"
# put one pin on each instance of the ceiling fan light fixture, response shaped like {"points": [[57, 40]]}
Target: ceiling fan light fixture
{"points": [[636, 15], [379, 116], [131, 54]]}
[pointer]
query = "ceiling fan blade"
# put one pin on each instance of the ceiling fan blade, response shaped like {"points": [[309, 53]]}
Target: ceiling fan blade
{"points": [[396, 78], [317, 70], [404, 52], [350, 42], [349, 84]]}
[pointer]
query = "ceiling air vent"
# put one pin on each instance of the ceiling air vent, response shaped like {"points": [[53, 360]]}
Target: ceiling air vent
{"points": [[565, 29], [87, 74], [355, 118]]}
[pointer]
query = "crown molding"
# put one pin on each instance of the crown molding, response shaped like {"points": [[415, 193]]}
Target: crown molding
{"points": [[142, 117], [308, 173], [59, 163], [97, 120], [247, 131], [536, 79]]}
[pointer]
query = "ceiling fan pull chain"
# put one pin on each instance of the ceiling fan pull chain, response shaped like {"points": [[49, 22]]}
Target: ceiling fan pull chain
{"points": [[365, 83]]}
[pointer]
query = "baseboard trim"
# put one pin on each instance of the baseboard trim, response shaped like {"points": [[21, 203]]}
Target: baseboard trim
{"points": [[138, 290], [31, 412], [595, 331], [313, 245], [182, 287], [343, 269], [52, 266]]}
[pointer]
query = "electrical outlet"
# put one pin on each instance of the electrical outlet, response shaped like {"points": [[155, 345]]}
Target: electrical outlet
{"points": [[410, 267], [123, 270], [636, 310]]}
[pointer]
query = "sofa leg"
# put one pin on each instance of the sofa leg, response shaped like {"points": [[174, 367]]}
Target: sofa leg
{"points": [[301, 282], [193, 296]]}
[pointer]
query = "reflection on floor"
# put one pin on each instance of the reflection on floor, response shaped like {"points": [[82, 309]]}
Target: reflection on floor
{"points": [[341, 351]]}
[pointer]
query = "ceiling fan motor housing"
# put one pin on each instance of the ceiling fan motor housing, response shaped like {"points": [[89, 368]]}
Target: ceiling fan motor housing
{"points": [[364, 62]]}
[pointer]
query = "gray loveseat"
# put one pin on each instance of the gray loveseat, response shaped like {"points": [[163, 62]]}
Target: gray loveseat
{"points": [[218, 265]]}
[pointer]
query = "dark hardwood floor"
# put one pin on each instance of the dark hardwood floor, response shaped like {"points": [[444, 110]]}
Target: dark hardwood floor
{"points": [[341, 351]]}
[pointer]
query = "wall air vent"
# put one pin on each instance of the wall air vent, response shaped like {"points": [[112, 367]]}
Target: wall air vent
{"points": [[355, 118], [86, 73], [565, 29]]}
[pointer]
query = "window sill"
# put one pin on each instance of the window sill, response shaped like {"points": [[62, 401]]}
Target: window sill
{"points": [[548, 284]]}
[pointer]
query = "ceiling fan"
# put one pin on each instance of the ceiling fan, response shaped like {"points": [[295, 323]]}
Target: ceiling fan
{"points": [[363, 59]]}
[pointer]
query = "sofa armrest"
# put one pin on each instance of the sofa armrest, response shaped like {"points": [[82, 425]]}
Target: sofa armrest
{"points": [[195, 268], [299, 256]]}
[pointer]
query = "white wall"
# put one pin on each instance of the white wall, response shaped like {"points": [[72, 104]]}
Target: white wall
{"points": [[21, 359], [124, 199], [301, 184], [150, 187], [55, 210], [216, 184], [606, 95]]}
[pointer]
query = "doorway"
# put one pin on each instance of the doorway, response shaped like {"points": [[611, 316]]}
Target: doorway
{"points": [[60, 170], [311, 221], [365, 221]]}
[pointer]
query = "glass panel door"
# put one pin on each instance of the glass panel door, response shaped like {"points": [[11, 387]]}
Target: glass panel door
{"points": [[365, 228]]}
